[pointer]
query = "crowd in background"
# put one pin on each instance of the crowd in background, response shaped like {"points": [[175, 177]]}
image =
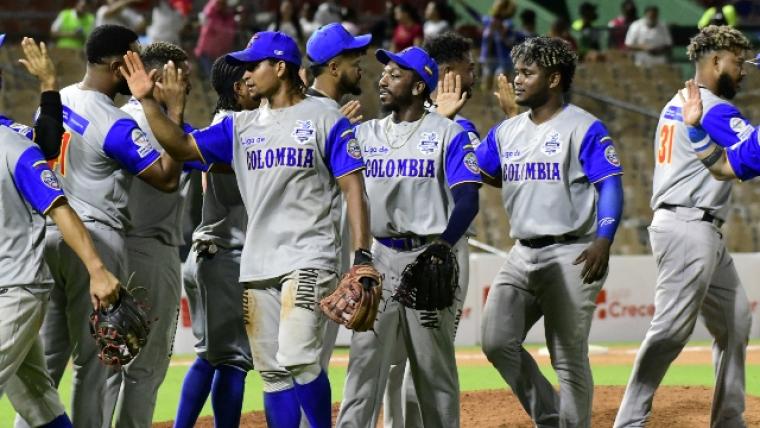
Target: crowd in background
{"points": [[223, 24]]}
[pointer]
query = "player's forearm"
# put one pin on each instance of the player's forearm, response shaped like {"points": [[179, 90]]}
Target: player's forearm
{"points": [[169, 134], [609, 207], [711, 154], [357, 208], [466, 206], [76, 236]]}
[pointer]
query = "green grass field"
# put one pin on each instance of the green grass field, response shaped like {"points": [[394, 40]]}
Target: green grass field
{"points": [[471, 377]]}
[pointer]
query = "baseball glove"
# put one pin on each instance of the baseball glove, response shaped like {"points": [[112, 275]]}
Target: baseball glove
{"points": [[430, 281], [120, 331], [353, 303]]}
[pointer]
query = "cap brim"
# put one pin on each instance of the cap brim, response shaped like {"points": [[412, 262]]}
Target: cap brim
{"points": [[385, 57], [242, 57], [360, 41]]}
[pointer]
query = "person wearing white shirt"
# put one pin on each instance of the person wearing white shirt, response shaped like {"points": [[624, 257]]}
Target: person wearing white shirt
{"points": [[118, 12], [649, 39]]}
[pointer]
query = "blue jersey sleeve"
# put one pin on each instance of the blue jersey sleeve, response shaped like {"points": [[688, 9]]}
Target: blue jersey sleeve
{"points": [[725, 125], [128, 145], [26, 131], [343, 152], [468, 126], [215, 142], [35, 181], [745, 158], [597, 154], [461, 161], [488, 156]]}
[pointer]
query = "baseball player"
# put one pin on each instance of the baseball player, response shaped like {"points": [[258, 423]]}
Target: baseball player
{"points": [[422, 183], [225, 356], [562, 191], [290, 159], [101, 146], [29, 190], [152, 241], [452, 54], [696, 275]]}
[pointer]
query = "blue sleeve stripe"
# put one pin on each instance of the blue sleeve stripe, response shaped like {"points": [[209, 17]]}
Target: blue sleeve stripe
{"points": [[452, 185], [148, 166], [703, 148], [598, 180], [349, 172], [50, 205], [346, 132], [197, 149]]}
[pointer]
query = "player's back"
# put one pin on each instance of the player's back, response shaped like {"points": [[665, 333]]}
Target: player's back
{"points": [[680, 178], [22, 229], [93, 179]]}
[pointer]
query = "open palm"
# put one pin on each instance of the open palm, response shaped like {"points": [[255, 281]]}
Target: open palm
{"points": [[140, 82], [692, 104]]}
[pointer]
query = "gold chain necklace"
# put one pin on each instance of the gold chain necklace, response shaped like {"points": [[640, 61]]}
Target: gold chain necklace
{"points": [[406, 138]]}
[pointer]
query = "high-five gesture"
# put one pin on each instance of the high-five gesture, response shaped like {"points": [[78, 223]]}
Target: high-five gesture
{"points": [[140, 82], [352, 110], [506, 96], [39, 64], [692, 104], [173, 88], [450, 98]]}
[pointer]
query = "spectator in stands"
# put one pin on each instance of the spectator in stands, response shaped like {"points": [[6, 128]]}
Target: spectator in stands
{"points": [[408, 30], [719, 12], [328, 12], [499, 36], [286, 21], [527, 25], [308, 21], [561, 28], [649, 38], [619, 26], [589, 41], [72, 26], [435, 19], [119, 12], [166, 23], [217, 36]]}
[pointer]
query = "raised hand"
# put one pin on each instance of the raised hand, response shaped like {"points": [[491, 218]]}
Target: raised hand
{"points": [[173, 87], [352, 110], [449, 98], [692, 104], [506, 96], [140, 82], [39, 64]]}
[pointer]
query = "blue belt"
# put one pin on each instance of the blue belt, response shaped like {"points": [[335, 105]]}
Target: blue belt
{"points": [[405, 243]]}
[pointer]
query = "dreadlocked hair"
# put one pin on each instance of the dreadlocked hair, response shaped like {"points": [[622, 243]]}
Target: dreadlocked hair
{"points": [[549, 53], [716, 38], [156, 54], [223, 78]]}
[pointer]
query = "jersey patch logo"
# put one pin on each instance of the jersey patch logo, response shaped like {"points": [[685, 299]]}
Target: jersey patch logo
{"points": [[552, 145], [303, 132], [611, 155], [429, 143], [471, 162], [354, 149], [141, 141], [741, 128], [48, 178]]}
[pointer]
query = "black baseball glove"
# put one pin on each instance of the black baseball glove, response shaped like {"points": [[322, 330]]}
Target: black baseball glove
{"points": [[430, 281], [120, 331]]}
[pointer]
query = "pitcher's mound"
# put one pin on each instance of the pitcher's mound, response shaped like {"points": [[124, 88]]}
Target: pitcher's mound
{"points": [[674, 407]]}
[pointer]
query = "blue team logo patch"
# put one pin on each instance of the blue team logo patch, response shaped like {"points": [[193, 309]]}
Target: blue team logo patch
{"points": [[429, 143], [48, 178], [611, 155], [741, 128], [471, 162], [552, 145], [304, 131], [141, 141], [354, 149]]}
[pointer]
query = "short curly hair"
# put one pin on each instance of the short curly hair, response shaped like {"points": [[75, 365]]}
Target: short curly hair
{"points": [[157, 54], [716, 38], [448, 47], [549, 53], [223, 78]]}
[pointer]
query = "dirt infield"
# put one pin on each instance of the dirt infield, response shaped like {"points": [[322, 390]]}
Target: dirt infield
{"points": [[674, 407]]}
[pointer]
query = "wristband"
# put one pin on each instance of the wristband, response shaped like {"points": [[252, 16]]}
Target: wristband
{"points": [[713, 157]]}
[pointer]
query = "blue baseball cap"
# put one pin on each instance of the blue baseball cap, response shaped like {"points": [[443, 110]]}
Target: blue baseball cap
{"points": [[331, 40], [2, 39], [415, 59], [268, 45]]}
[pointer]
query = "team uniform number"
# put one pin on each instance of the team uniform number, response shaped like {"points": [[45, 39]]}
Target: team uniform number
{"points": [[665, 152]]}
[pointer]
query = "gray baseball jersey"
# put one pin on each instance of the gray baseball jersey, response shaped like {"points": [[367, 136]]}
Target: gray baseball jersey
{"points": [[409, 170], [679, 177], [548, 170], [286, 162], [101, 143], [28, 188], [223, 216], [153, 213]]}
